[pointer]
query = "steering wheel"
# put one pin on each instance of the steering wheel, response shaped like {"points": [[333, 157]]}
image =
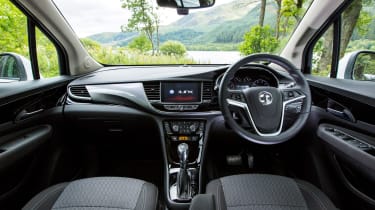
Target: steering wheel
{"points": [[264, 107]]}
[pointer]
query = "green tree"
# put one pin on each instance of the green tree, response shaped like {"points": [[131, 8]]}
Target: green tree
{"points": [[173, 48], [355, 18], [143, 19], [13, 29], [290, 15], [258, 39], [141, 43], [349, 21], [48, 61], [278, 18], [262, 12]]}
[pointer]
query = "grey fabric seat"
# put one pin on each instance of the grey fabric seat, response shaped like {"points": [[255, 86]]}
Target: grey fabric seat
{"points": [[104, 193], [261, 192]]}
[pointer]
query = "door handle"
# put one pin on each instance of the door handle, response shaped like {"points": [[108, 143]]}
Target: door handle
{"points": [[344, 114], [25, 114], [340, 111]]}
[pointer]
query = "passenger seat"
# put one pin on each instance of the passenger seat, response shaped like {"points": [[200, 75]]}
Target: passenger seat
{"points": [[104, 193]]}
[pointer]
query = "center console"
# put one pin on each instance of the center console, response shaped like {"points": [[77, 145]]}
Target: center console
{"points": [[184, 142], [183, 135]]}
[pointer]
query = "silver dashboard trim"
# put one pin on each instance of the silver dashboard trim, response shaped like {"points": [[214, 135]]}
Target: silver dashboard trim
{"points": [[135, 93]]}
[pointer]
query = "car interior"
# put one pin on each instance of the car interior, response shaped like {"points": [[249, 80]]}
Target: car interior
{"points": [[262, 132]]}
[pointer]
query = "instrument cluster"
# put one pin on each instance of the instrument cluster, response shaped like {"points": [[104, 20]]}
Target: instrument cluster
{"points": [[248, 77]]}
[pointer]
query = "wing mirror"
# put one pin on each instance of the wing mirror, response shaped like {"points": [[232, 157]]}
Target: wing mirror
{"points": [[358, 65], [14, 67]]}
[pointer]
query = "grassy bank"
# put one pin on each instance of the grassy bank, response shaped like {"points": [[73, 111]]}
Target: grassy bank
{"points": [[109, 55]]}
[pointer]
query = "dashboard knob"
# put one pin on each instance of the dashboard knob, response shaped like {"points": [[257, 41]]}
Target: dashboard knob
{"points": [[193, 127], [175, 128]]}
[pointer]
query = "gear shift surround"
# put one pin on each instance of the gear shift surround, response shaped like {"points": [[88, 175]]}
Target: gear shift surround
{"points": [[183, 177]]}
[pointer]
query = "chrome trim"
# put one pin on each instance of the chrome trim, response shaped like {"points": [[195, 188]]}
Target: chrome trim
{"points": [[246, 108], [70, 94], [263, 99], [176, 170], [173, 192]]}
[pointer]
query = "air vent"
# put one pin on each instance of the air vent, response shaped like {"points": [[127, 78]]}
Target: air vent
{"points": [[79, 93], [207, 91], [152, 90]]}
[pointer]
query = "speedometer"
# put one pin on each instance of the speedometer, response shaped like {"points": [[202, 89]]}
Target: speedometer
{"points": [[260, 82]]}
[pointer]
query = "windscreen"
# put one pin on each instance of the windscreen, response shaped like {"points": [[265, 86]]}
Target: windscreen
{"points": [[138, 32]]}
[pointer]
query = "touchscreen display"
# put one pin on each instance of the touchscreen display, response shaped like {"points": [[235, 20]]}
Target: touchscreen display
{"points": [[181, 92]]}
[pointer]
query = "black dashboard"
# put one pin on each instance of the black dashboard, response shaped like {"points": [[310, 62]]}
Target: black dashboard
{"points": [[167, 89]]}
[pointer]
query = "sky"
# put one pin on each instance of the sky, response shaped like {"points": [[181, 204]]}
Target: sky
{"points": [[89, 17]]}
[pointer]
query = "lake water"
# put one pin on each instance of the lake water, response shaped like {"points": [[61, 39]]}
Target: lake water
{"points": [[214, 57]]}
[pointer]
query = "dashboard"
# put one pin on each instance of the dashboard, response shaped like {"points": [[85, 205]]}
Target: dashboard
{"points": [[167, 89], [176, 104]]}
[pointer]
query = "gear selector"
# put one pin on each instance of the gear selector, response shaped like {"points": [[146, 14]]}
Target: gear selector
{"points": [[183, 177]]}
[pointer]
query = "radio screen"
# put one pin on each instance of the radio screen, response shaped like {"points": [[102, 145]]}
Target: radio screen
{"points": [[181, 92]]}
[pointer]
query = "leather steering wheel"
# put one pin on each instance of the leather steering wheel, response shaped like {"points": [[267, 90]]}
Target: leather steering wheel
{"points": [[264, 107]]}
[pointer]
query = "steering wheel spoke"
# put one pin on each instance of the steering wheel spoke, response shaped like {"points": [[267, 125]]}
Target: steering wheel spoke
{"points": [[240, 113]]}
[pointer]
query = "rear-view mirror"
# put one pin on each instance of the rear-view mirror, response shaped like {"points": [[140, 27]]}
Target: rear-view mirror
{"points": [[188, 4]]}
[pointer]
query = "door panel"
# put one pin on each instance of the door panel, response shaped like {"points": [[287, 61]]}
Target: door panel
{"points": [[31, 120], [342, 118]]}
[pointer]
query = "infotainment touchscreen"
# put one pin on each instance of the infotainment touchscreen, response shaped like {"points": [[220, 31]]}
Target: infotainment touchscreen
{"points": [[181, 92]]}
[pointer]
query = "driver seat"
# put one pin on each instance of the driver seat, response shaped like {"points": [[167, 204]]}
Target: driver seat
{"points": [[261, 192]]}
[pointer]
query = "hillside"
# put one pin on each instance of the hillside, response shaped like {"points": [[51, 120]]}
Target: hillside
{"points": [[225, 23], [114, 38], [216, 16]]}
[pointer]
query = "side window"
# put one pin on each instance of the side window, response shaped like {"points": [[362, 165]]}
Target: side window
{"points": [[357, 45], [14, 46], [15, 62], [47, 56], [322, 54]]}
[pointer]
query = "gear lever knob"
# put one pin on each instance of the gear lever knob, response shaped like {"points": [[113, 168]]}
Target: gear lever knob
{"points": [[183, 152]]}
